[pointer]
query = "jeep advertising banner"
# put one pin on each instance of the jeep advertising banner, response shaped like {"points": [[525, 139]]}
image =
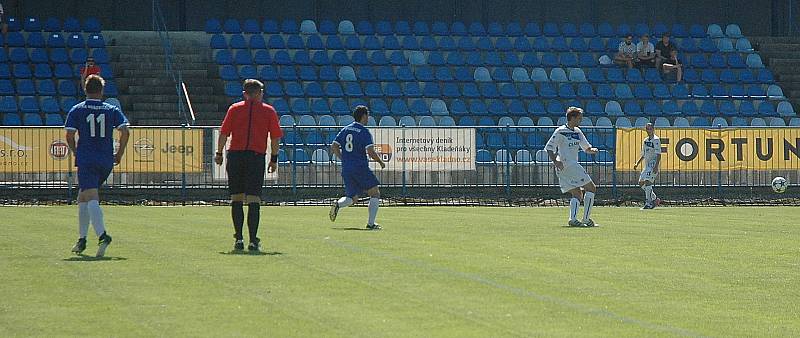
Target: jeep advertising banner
{"points": [[695, 149], [425, 149], [45, 150]]}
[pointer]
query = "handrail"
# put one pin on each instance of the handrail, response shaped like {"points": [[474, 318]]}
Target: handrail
{"points": [[160, 26]]}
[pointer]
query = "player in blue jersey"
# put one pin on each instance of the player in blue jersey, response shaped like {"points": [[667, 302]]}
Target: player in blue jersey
{"points": [[352, 145], [94, 122]]}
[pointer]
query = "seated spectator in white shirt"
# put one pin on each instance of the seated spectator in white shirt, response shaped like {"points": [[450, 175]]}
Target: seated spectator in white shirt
{"points": [[627, 52], [646, 53]]}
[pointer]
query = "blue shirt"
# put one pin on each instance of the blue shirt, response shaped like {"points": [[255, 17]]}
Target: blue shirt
{"points": [[95, 121], [354, 140]]}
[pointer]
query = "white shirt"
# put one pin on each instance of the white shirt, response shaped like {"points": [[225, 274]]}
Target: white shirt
{"points": [[644, 49], [651, 149], [566, 143], [627, 49]]}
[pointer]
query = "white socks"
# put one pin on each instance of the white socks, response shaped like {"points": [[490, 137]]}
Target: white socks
{"points": [[588, 201], [83, 219], [374, 202], [96, 215], [574, 203], [345, 202], [648, 193]]}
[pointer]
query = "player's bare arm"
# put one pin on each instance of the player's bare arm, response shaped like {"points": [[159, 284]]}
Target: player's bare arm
{"points": [[658, 161], [336, 150], [274, 149], [375, 157], [221, 142], [71, 140], [639, 161], [559, 165], [124, 135]]}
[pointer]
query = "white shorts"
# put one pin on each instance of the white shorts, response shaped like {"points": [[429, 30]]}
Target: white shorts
{"points": [[571, 177], [647, 175]]}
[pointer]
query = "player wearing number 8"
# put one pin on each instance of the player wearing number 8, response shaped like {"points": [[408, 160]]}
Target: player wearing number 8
{"points": [[352, 145], [94, 122]]}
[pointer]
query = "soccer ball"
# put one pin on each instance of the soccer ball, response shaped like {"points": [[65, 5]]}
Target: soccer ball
{"points": [[779, 184]]}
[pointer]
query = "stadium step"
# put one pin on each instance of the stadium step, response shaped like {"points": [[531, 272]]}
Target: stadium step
{"points": [[153, 106], [151, 73], [782, 56]]}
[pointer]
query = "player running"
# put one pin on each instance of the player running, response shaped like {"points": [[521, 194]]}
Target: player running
{"points": [[651, 154], [352, 145], [562, 148], [94, 121]]}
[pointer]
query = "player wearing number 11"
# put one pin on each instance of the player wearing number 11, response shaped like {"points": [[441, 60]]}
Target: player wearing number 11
{"points": [[94, 122], [352, 145]]}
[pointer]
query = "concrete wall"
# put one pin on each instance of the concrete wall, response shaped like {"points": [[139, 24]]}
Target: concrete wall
{"points": [[756, 17]]}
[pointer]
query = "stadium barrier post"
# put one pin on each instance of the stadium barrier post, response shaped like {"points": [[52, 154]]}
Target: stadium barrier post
{"points": [[507, 159], [719, 165], [183, 165], [294, 161], [614, 166], [403, 151]]}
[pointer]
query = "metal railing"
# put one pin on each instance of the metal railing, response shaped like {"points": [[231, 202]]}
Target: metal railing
{"points": [[160, 26], [176, 163]]}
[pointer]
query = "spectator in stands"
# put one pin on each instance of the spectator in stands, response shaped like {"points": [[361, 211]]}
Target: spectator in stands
{"points": [[90, 68], [645, 52], [2, 20], [664, 49], [627, 52], [673, 64]]}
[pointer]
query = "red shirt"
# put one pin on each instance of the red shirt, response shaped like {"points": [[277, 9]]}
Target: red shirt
{"points": [[250, 123], [91, 70]]}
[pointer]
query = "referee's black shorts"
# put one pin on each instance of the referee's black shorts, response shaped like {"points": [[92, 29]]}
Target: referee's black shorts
{"points": [[245, 172]]}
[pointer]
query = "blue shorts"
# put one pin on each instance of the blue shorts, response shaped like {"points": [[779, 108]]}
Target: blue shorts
{"points": [[356, 183], [92, 176]]}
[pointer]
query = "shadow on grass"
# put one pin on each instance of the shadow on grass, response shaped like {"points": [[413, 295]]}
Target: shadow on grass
{"points": [[578, 228], [352, 229], [86, 258], [250, 253]]}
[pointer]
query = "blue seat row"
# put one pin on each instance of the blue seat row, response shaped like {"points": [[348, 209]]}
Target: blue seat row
{"points": [[53, 24], [46, 71], [54, 55], [53, 40], [439, 28], [448, 43], [566, 59], [49, 88]]}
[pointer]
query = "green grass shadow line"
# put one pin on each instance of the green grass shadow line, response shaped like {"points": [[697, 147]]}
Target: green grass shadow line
{"points": [[249, 253], [85, 258]]}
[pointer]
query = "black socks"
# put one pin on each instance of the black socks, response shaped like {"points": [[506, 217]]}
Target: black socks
{"points": [[237, 214], [253, 216]]}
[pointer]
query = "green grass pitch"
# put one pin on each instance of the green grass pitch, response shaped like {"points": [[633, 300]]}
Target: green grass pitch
{"points": [[440, 271]]}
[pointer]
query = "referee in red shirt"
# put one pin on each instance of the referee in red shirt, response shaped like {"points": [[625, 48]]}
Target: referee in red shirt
{"points": [[248, 123]]}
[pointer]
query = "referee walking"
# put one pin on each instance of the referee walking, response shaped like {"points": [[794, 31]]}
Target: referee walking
{"points": [[248, 123]]}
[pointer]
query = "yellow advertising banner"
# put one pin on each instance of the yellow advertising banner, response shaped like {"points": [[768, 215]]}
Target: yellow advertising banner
{"points": [[45, 150], [693, 149]]}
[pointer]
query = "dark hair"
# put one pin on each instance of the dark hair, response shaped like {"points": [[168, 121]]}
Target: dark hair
{"points": [[252, 86], [665, 34], [359, 112], [94, 84], [629, 35], [573, 111]]}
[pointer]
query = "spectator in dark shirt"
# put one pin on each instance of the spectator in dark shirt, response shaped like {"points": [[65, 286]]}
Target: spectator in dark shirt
{"points": [[673, 64], [664, 49]]}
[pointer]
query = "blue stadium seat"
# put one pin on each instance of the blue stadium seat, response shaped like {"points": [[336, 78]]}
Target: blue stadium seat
{"points": [[484, 43], [213, 26], [550, 29], [35, 40], [737, 92], [623, 91], [492, 59], [624, 29], [495, 29], [50, 105], [733, 31], [568, 60], [309, 27], [716, 61], [359, 58], [634, 76], [294, 41], [727, 108], [443, 74], [405, 74], [586, 60], [421, 28], [29, 105], [642, 92], [554, 107], [680, 91], [402, 28], [688, 45], [289, 27], [521, 44], [604, 91], [754, 61], [708, 108], [743, 46], [546, 90], [489, 90], [76, 41], [615, 75], [632, 109], [566, 91], [46, 88], [700, 91], [714, 31], [725, 45], [708, 46], [424, 74], [26, 87], [399, 108], [709, 76], [32, 119], [757, 92], [736, 61], [785, 109], [503, 44], [527, 90], [697, 31], [455, 59], [559, 44], [531, 60], [237, 42], [39, 55], [596, 44], [431, 90]]}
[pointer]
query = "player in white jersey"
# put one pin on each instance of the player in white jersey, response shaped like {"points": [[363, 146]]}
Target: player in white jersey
{"points": [[563, 149], [651, 155]]}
